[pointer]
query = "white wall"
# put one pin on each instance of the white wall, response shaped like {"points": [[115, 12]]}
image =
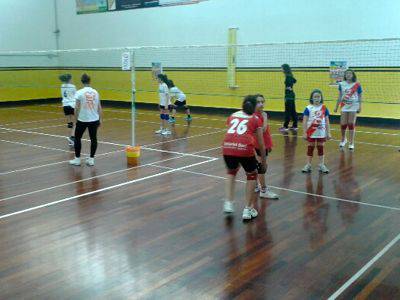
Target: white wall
{"points": [[259, 21], [27, 25]]}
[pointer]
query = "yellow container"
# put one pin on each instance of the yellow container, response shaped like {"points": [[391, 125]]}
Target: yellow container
{"points": [[132, 155]]}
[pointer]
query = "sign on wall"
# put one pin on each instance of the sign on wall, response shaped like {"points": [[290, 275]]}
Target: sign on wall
{"points": [[336, 71], [95, 6]]}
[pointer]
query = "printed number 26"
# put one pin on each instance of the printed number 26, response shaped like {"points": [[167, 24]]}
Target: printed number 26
{"points": [[238, 126]]}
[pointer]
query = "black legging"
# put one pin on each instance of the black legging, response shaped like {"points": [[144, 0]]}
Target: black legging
{"points": [[290, 113], [79, 130]]}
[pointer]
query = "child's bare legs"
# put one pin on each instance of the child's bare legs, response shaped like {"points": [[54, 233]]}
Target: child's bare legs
{"points": [[351, 121]]}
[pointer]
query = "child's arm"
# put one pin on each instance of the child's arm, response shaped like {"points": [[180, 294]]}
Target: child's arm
{"points": [[265, 117], [260, 140], [100, 110], [360, 100], [305, 121], [338, 100], [328, 128]]}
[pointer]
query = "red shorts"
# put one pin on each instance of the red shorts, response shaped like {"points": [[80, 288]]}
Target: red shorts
{"points": [[318, 140]]}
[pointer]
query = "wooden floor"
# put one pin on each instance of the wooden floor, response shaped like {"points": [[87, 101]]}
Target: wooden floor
{"points": [[156, 231]]}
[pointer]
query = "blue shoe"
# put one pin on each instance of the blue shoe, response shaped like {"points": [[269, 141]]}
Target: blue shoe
{"points": [[171, 120]]}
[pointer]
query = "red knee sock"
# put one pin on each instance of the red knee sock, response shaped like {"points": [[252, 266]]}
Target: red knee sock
{"points": [[310, 150], [320, 150], [351, 126]]}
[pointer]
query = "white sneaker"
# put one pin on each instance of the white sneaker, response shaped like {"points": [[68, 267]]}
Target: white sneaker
{"points": [[166, 132], [268, 194], [323, 169], [351, 147], [75, 162], [342, 144], [159, 131], [90, 161], [249, 213], [228, 207], [71, 142], [307, 169]]}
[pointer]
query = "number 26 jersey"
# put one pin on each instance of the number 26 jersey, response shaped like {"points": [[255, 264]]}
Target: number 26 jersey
{"points": [[239, 139]]}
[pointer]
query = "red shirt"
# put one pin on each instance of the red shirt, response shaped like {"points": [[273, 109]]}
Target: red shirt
{"points": [[266, 134], [240, 138]]}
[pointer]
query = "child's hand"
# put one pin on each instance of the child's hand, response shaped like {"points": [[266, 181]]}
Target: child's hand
{"points": [[336, 109], [329, 137], [305, 137], [359, 110]]}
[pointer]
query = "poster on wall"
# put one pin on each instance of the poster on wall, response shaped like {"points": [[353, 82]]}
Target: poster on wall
{"points": [[132, 4], [336, 72], [91, 6]]}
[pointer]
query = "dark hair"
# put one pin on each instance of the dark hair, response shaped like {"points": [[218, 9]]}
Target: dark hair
{"points": [[249, 104], [287, 70], [65, 77], [85, 78], [170, 83], [354, 79], [259, 95], [312, 95], [163, 78]]}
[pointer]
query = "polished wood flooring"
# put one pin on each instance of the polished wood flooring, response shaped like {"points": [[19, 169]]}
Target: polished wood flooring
{"points": [[156, 231]]}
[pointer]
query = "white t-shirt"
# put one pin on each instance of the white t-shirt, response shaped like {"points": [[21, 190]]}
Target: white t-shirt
{"points": [[316, 121], [68, 91], [351, 96], [89, 104], [177, 94], [163, 92]]}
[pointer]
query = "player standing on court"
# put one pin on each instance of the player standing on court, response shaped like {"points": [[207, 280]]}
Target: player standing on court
{"points": [[262, 188], [180, 101], [350, 94], [316, 130], [238, 149], [165, 101], [89, 115], [290, 97], [68, 91]]}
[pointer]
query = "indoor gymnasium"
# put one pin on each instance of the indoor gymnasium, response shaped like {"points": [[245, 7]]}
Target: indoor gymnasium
{"points": [[199, 149]]}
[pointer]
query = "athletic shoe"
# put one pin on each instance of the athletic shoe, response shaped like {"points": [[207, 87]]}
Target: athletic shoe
{"points": [[159, 131], [351, 147], [75, 162], [188, 119], [171, 120], [306, 169], [342, 144], [323, 169], [71, 142], [257, 189], [294, 128], [166, 132], [268, 194], [284, 129], [90, 161], [228, 207], [249, 213]]}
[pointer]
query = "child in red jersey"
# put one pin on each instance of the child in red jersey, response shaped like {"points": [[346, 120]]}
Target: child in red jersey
{"points": [[264, 191], [238, 148]]}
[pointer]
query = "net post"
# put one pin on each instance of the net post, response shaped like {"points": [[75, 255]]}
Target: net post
{"points": [[133, 97]]}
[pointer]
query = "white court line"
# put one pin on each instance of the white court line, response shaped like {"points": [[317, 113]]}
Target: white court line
{"points": [[53, 164], [31, 122], [36, 146], [214, 119], [98, 176], [356, 276], [120, 145], [290, 190], [101, 190]]}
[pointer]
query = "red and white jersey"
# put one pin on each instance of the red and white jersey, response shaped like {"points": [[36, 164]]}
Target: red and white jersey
{"points": [[266, 131], [239, 139], [316, 125], [350, 96]]}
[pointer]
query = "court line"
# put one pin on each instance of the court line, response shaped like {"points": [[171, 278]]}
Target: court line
{"points": [[98, 176], [111, 152], [38, 146], [55, 163], [356, 276], [101, 190], [145, 147], [207, 119], [290, 190], [31, 122]]}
